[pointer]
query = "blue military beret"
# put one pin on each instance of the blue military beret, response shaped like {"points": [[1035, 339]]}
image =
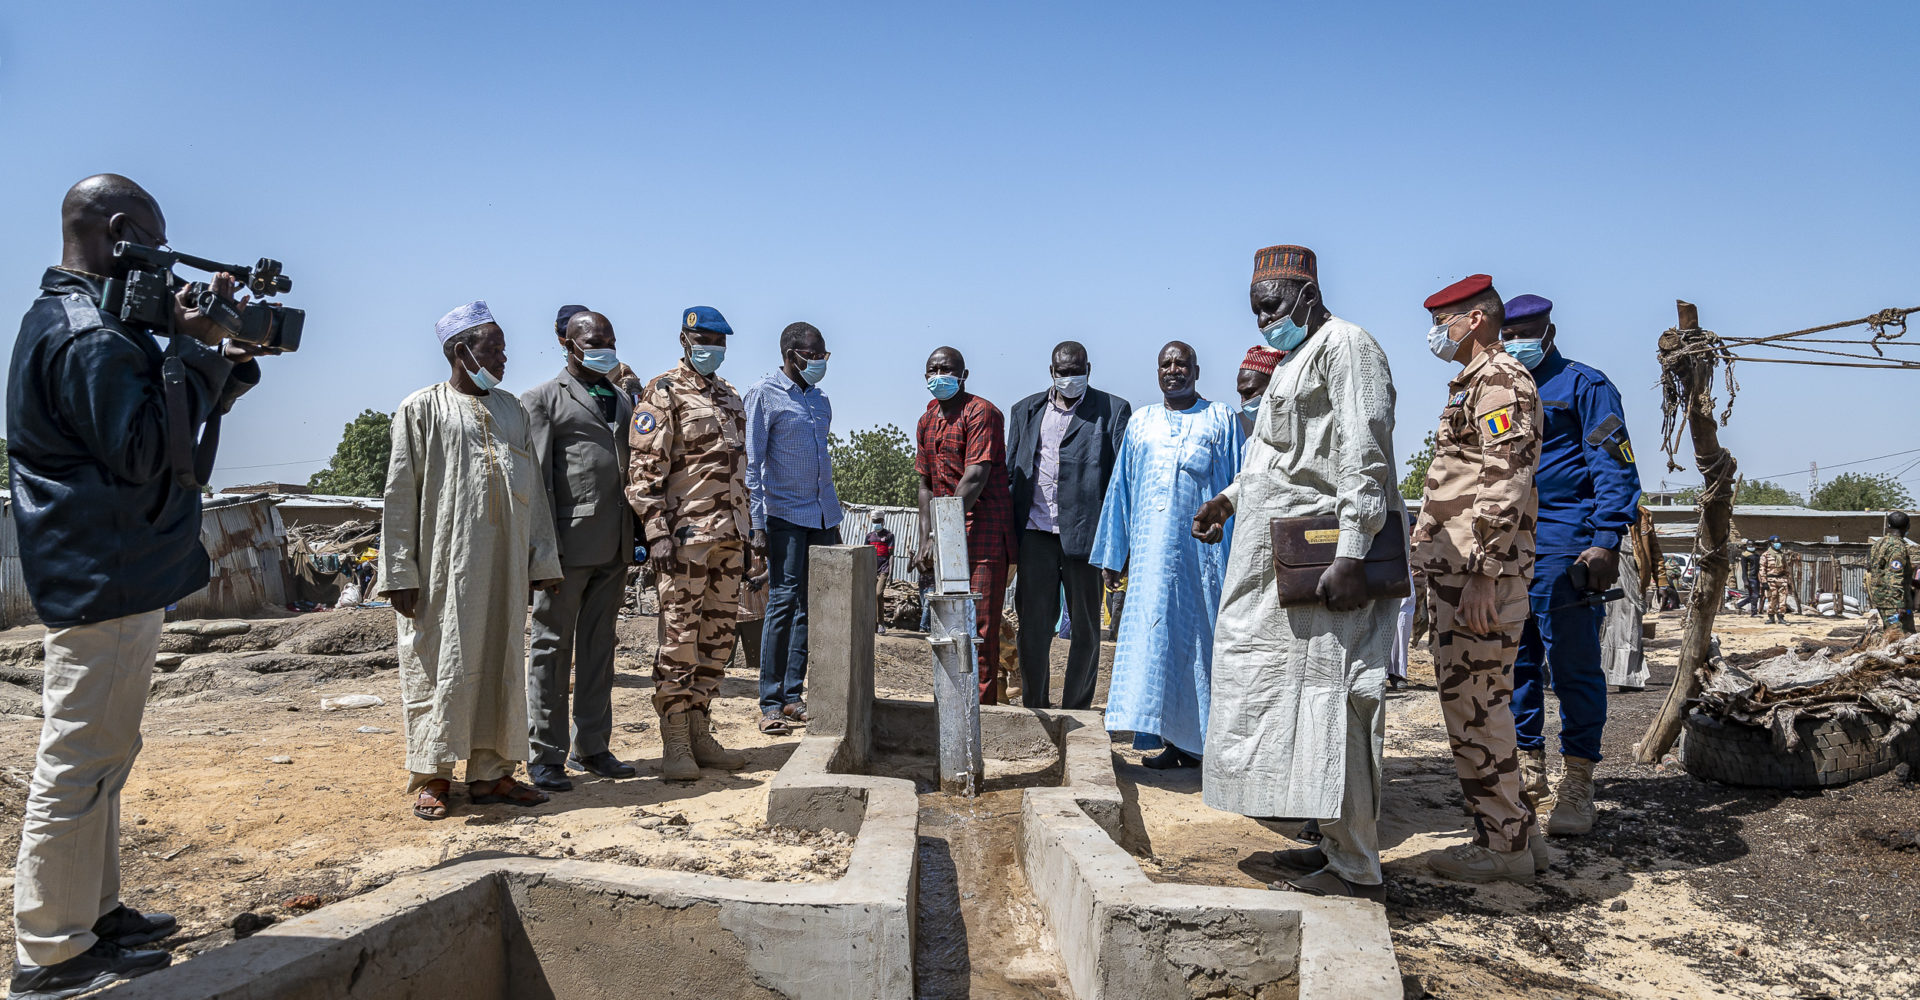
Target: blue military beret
{"points": [[1522, 308], [705, 318]]}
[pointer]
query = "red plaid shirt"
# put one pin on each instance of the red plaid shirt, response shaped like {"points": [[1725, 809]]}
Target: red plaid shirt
{"points": [[946, 447]]}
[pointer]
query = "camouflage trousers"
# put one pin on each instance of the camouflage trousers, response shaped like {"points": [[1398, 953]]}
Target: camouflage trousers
{"points": [[1475, 676], [1776, 596], [1896, 623], [699, 601]]}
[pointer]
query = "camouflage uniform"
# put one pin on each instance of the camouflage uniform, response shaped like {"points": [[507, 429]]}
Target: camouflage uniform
{"points": [[1478, 518], [689, 483], [1890, 584], [1773, 576]]}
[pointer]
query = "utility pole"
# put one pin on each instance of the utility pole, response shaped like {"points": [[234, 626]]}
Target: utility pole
{"points": [[1692, 354], [1813, 480]]}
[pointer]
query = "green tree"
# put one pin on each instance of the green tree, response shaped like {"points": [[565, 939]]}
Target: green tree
{"points": [[1861, 491], [1759, 491], [359, 466], [1415, 485], [6, 467], [875, 467]]}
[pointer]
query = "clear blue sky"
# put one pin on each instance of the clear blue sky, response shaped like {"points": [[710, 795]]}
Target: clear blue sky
{"points": [[998, 178]]}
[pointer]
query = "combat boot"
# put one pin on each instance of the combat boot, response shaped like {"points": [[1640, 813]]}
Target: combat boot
{"points": [[676, 748], [1537, 846], [1473, 863], [1573, 813], [1533, 780], [707, 751]]}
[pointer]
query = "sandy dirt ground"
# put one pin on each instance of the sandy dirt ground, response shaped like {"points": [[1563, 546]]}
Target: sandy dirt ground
{"points": [[1685, 889], [250, 804]]}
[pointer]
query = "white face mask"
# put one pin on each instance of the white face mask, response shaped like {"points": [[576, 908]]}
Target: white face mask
{"points": [[1440, 341], [1070, 386]]}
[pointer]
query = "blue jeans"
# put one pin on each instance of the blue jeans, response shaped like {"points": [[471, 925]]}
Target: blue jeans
{"points": [[1561, 648], [926, 609], [783, 636]]}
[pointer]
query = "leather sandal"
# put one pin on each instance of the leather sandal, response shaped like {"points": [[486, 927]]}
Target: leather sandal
{"points": [[774, 724], [505, 791], [432, 802]]}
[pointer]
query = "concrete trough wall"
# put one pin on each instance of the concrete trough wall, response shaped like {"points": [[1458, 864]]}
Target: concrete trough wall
{"points": [[1122, 935], [532, 929]]}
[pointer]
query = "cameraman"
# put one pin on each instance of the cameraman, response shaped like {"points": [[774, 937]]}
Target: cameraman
{"points": [[109, 536]]}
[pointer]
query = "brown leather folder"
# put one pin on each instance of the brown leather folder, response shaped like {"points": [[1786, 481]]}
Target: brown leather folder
{"points": [[1303, 548]]}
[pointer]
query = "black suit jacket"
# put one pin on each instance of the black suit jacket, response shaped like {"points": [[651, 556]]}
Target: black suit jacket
{"points": [[1087, 455]]}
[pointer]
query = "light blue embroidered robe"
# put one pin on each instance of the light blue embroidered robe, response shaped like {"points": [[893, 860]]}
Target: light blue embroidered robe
{"points": [[1170, 462]]}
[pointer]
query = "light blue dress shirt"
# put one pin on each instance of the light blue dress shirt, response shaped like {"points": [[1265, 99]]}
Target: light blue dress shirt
{"points": [[789, 473]]}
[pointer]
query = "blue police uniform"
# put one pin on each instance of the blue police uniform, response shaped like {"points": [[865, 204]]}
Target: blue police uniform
{"points": [[1589, 497]]}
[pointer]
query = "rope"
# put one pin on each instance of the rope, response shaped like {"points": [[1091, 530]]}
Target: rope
{"points": [[1886, 326]]}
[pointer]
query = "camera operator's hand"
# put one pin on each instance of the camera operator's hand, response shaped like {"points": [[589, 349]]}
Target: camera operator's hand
{"points": [[407, 602], [188, 320]]}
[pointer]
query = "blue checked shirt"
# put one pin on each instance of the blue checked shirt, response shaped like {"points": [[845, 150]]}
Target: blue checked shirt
{"points": [[789, 475]]}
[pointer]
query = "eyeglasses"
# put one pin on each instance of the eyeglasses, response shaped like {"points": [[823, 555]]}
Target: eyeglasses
{"points": [[813, 356]]}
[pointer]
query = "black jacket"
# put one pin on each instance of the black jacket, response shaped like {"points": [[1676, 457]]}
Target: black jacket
{"points": [[1087, 456], [105, 529]]}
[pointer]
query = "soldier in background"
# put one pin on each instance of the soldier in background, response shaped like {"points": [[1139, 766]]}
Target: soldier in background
{"points": [[1890, 578], [688, 486], [1750, 579], [1474, 542], [1773, 575]]}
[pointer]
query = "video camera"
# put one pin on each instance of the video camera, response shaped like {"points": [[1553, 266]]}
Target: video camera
{"points": [[143, 285]]}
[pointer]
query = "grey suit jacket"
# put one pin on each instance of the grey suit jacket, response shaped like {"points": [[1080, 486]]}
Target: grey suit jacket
{"points": [[584, 465]]}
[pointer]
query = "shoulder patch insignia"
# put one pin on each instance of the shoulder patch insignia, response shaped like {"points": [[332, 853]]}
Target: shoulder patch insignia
{"points": [[645, 420], [1896, 565], [1498, 422], [1456, 399], [1626, 451]]}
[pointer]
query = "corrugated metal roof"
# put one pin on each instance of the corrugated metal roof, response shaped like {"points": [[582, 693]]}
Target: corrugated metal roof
{"points": [[1769, 510]]}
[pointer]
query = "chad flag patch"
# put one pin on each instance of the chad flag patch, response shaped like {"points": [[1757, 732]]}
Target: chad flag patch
{"points": [[1498, 422]]}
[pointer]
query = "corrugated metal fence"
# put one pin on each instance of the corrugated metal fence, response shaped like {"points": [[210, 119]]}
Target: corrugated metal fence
{"points": [[15, 608], [904, 522], [245, 540]]}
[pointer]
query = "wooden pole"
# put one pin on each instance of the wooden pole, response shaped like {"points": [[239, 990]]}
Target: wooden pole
{"points": [[1718, 468]]}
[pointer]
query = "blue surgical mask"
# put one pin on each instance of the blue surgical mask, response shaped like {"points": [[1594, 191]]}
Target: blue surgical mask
{"points": [[814, 371], [706, 360], [1251, 410], [600, 359], [1070, 386], [1284, 335], [481, 377], [1527, 352], [943, 387], [1440, 341]]}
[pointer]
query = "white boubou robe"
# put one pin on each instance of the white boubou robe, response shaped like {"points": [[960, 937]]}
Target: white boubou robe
{"points": [[466, 522], [1281, 734]]}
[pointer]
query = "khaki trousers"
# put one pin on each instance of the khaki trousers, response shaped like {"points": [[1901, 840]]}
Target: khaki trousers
{"points": [[68, 874]]}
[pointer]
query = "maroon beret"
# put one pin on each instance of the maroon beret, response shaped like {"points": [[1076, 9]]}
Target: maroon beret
{"points": [[1465, 288]]}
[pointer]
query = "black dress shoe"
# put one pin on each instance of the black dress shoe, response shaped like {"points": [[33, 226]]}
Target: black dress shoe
{"points": [[98, 966], [1170, 758], [603, 764], [127, 927], [551, 777]]}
